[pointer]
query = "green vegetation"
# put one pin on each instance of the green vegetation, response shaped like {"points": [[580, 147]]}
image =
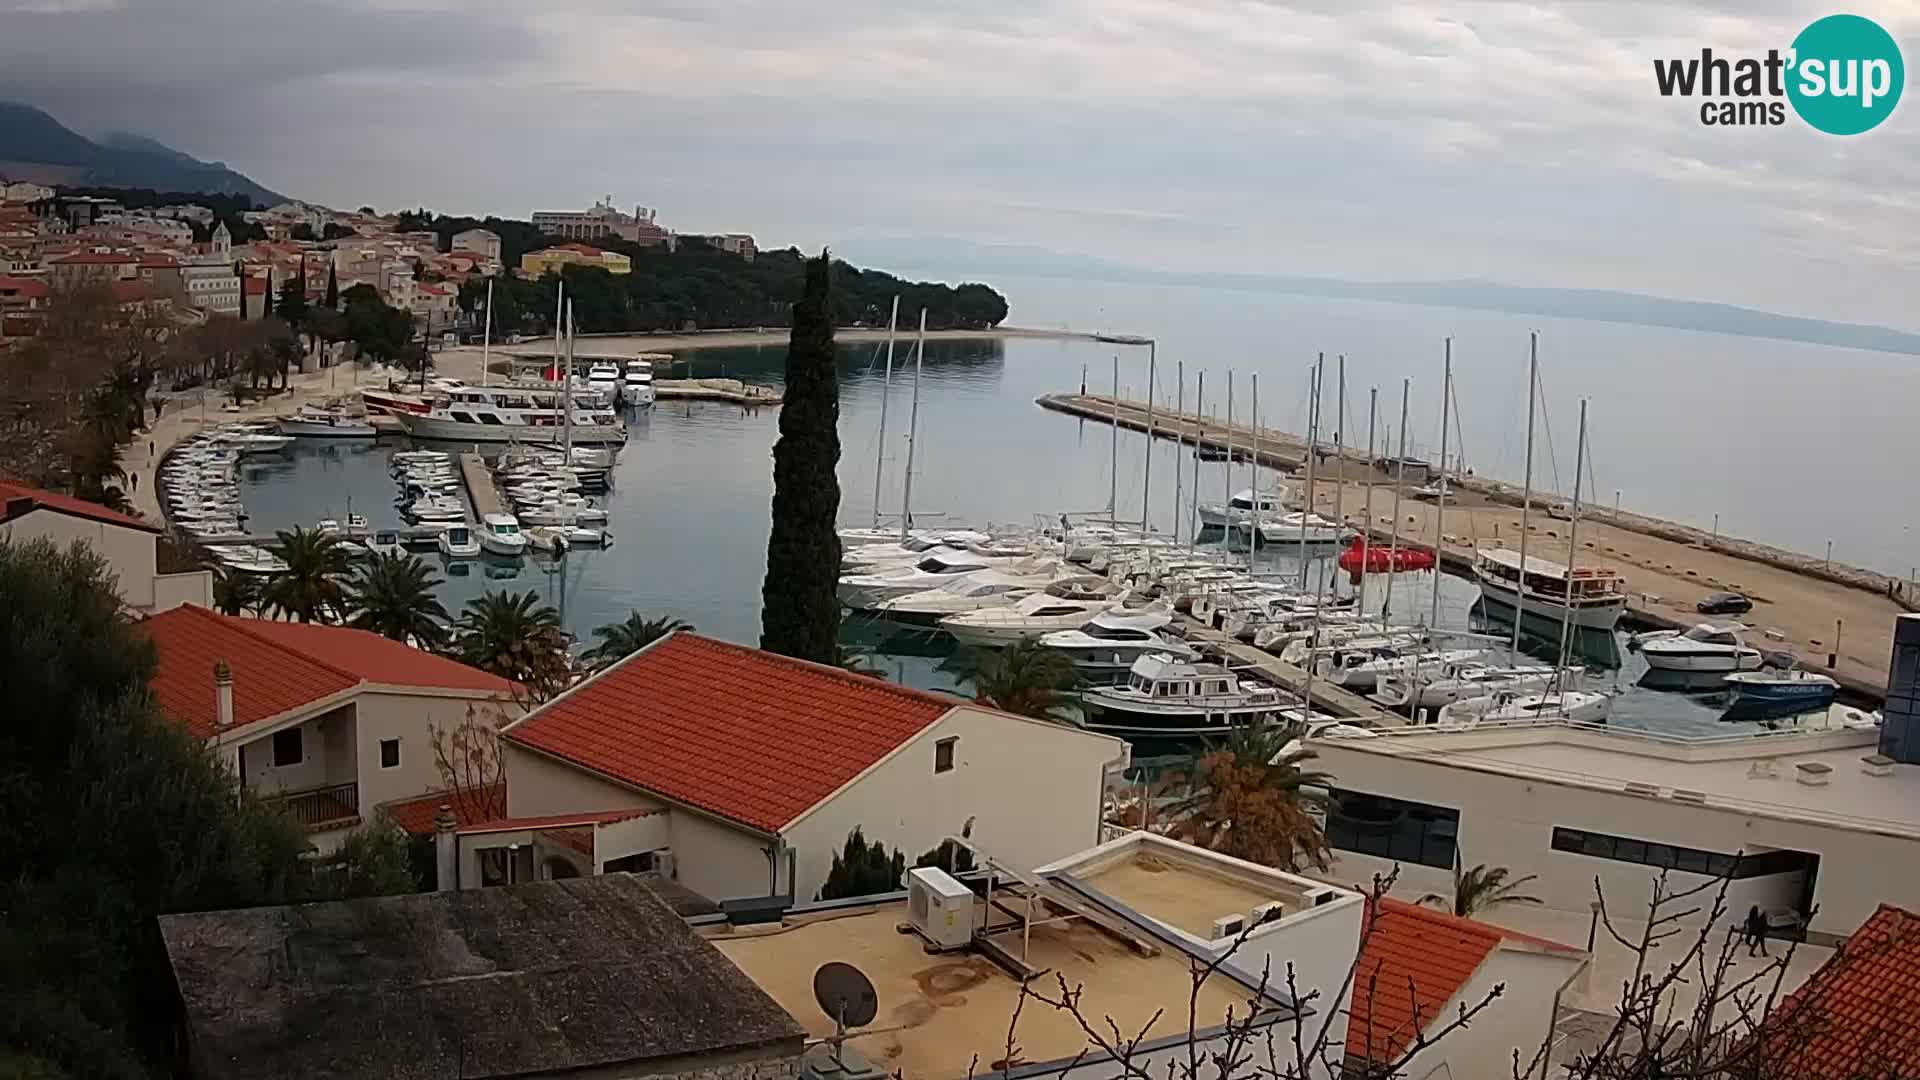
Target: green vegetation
{"points": [[311, 588], [1026, 679], [392, 595], [799, 609], [1250, 796], [862, 869], [515, 636], [617, 641], [1481, 887]]}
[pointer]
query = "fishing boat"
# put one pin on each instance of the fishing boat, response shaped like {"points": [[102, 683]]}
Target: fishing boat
{"points": [[1586, 596], [1112, 640], [1705, 647], [1759, 694], [495, 414], [1167, 697], [458, 542], [501, 535], [333, 423], [1507, 706]]}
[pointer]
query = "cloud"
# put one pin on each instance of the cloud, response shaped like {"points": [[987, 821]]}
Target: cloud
{"points": [[1516, 140]]}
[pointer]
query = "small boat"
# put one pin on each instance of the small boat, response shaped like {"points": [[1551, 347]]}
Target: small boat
{"points": [[312, 423], [1706, 647], [458, 542], [355, 527], [1575, 706], [1758, 694], [251, 442], [385, 542], [501, 535], [1166, 697]]}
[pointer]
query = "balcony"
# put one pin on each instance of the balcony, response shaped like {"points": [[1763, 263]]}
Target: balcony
{"points": [[336, 806]]}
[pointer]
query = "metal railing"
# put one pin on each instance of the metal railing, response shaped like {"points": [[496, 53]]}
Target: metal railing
{"points": [[321, 807]]}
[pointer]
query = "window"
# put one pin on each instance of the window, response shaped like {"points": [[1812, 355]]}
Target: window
{"points": [[287, 748], [1673, 857], [1390, 828], [631, 864], [943, 755], [389, 753]]}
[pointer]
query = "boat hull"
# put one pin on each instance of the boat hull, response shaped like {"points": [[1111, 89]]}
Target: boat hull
{"points": [[301, 429], [428, 427], [1703, 661], [1757, 700], [1133, 723]]}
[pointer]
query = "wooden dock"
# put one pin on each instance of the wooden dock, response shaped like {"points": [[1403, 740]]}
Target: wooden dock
{"points": [[729, 390], [1328, 697], [482, 496], [1802, 604]]}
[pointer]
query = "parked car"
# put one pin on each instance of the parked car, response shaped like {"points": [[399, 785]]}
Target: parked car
{"points": [[1724, 603]]}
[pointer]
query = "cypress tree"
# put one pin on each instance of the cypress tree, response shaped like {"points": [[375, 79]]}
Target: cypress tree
{"points": [[240, 272], [800, 613], [266, 297], [333, 288]]}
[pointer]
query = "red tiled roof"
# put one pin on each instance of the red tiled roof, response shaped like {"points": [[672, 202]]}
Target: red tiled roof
{"points": [[63, 504], [1855, 1016], [415, 816], [95, 258], [553, 821], [1414, 957], [153, 261], [748, 735], [281, 666], [31, 288]]}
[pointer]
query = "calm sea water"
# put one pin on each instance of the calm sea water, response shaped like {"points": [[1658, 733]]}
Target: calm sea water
{"points": [[1677, 426]]}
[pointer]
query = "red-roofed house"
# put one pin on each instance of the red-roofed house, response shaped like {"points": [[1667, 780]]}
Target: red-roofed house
{"points": [[1855, 1017], [329, 720], [126, 543], [762, 764], [93, 265], [1418, 966]]}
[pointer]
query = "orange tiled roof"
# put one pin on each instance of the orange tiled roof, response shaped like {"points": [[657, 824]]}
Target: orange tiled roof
{"points": [[415, 816], [1415, 957], [63, 504], [748, 735], [282, 666], [1855, 1016], [31, 288], [555, 821], [96, 258]]}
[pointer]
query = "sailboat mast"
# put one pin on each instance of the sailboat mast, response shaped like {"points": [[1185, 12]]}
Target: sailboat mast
{"points": [[1526, 494], [1440, 512], [1573, 550], [1199, 428], [913, 429], [1339, 450], [486, 335], [1113, 462], [1179, 441], [886, 391], [566, 390], [1366, 520], [1313, 434], [559, 327], [1146, 475], [1226, 495], [1253, 521], [1399, 478]]}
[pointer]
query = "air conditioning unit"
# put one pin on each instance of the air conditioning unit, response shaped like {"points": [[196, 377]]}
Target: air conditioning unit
{"points": [[939, 909], [663, 863], [1227, 926], [1271, 911]]}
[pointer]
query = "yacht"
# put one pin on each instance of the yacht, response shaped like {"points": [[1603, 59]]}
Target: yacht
{"points": [[1706, 647], [1032, 617], [1457, 682], [1760, 694], [500, 534], [1506, 706], [1114, 639], [1289, 528], [1585, 596], [604, 377], [1285, 614], [1353, 637], [1166, 697], [248, 558], [251, 442], [473, 414], [316, 423], [432, 510], [636, 383], [1358, 669], [969, 592], [866, 591], [458, 542], [385, 542], [572, 510], [1243, 507]]}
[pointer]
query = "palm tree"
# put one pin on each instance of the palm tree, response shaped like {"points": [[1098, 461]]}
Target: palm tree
{"points": [[1252, 798], [617, 641], [311, 587], [515, 636], [1026, 679], [393, 597], [1482, 887], [234, 592]]}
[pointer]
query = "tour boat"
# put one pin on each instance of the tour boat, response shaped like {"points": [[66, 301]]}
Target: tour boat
{"points": [[1577, 706], [1706, 647], [1758, 694], [1114, 639], [1242, 507], [500, 534], [1166, 697], [458, 542], [1032, 617], [312, 423], [1584, 596], [476, 414], [1457, 682], [394, 402]]}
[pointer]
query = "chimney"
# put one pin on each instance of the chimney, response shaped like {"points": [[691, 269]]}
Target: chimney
{"points": [[446, 860], [222, 696], [1900, 730]]}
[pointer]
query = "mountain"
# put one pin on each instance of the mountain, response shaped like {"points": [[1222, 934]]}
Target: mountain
{"points": [[36, 147]]}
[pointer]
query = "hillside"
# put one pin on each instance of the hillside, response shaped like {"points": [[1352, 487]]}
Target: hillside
{"points": [[34, 146]]}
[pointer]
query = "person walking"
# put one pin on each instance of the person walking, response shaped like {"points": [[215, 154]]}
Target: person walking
{"points": [[1756, 932]]}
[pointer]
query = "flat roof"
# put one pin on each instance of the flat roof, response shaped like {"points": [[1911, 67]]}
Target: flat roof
{"points": [[938, 1011], [1751, 774], [1186, 901]]}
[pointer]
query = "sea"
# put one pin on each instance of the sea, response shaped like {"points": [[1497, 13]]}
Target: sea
{"points": [[1788, 443]]}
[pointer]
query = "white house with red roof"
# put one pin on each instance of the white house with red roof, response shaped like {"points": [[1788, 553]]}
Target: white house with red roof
{"points": [[330, 721], [126, 543], [739, 773]]}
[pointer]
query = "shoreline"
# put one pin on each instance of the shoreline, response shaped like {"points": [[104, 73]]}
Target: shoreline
{"points": [[631, 344]]}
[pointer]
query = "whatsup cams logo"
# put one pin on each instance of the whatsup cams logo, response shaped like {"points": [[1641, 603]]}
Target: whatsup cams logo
{"points": [[1842, 75]]}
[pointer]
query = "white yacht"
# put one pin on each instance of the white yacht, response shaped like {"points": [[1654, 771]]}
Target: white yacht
{"points": [[565, 510], [969, 592], [1244, 507], [1032, 617], [248, 558], [501, 535], [604, 377], [526, 414], [385, 542], [1289, 528], [1114, 639], [458, 542], [636, 383], [865, 591], [1165, 697], [1595, 596], [1705, 647], [1507, 706], [316, 423], [1360, 669], [1457, 682]]}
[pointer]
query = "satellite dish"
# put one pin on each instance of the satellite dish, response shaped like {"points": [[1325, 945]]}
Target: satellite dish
{"points": [[845, 994]]}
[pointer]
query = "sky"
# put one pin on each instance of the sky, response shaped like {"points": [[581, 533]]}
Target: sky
{"points": [[1518, 142]]}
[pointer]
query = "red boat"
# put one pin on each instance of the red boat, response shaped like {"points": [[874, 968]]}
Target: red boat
{"points": [[1381, 560]]}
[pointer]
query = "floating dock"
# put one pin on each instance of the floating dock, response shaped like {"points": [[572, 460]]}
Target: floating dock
{"points": [[482, 496], [728, 390], [1802, 604]]}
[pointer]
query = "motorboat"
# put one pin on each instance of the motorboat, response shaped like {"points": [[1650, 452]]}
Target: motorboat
{"points": [[866, 591], [603, 377], [1759, 694], [385, 542], [314, 423], [252, 442], [435, 511], [501, 535], [1457, 682], [1244, 507], [458, 542], [636, 383], [560, 512], [354, 528], [1362, 669], [248, 558], [969, 592], [1583, 596], [1705, 647], [1314, 530], [1356, 636], [1286, 614], [1111, 641], [1031, 617], [1507, 706], [1168, 697]]}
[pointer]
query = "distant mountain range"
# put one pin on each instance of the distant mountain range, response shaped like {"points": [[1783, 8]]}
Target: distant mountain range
{"points": [[37, 148]]}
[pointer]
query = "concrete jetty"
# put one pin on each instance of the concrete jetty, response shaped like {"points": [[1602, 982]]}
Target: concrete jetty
{"points": [[729, 390], [482, 496], [1802, 605]]}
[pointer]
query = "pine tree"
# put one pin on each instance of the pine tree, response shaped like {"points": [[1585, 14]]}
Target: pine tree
{"points": [[800, 613], [333, 288]]}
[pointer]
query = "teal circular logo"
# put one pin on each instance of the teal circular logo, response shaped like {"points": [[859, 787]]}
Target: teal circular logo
{"points": [[1846, 75]]}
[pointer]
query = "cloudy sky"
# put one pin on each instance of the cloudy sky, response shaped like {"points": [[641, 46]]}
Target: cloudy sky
{"points": [[1521, 142]]}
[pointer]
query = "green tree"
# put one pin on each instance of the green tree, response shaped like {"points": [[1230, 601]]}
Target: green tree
{"points": [[1481, 887], [373, 860], [862, 869], [515, 636], [393, 596], [1027, 679], [948, 856], [312, 587], [266, 295], [292, 305], [240, 271], [615, 642], [333, 288], [800, 611], [235, 592], [1250, 797]]}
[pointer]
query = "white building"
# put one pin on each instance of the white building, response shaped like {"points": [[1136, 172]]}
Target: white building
{"points": [[481, 243], [603, 220], [1802, 818], [23, 191], [743, 772], [126, 543], [212, 286], [328, 721]]}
